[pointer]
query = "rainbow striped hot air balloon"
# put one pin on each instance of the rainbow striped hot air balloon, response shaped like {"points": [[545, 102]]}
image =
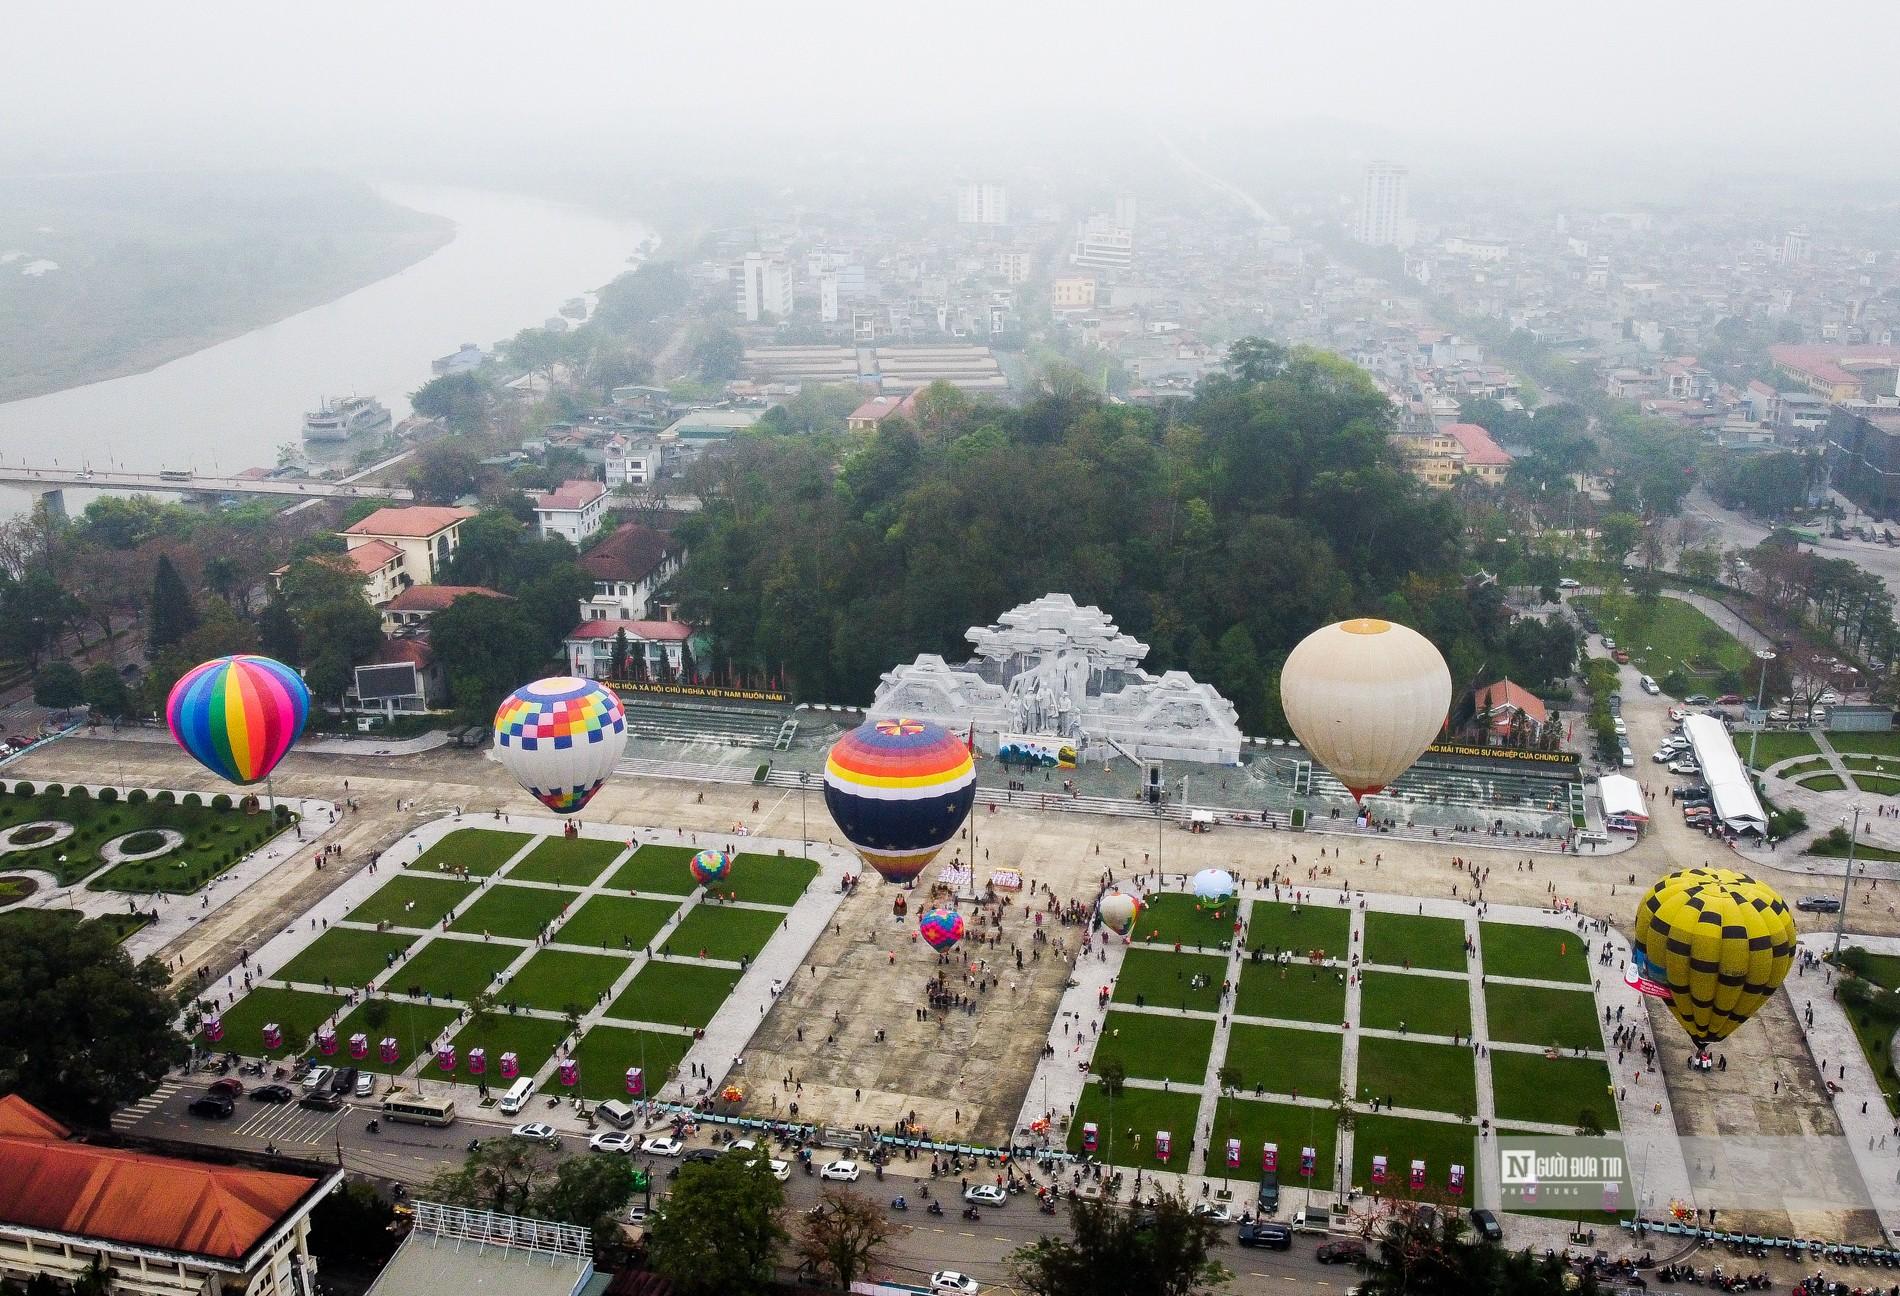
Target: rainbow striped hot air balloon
{"points": [[710, 866], [1119, 912], [561, 737], [898, 790], [238, 716], [941, 928]]}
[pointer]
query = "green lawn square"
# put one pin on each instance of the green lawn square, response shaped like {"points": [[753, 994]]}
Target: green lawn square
{"points": [[1275, 925], [1187, 921], [769, 879], [657, 868], [567, 861], [1290, 1127], [416, 902], [723, 933], [1554, 1091], [517, 911], [1161, 978], [1567, 1019], [1435, 943], [1155, 1047], [1430, 1077], [1439, 1144], [1534, 953], [1427, 1005], [1136, 1114], [1872, 744], [453, 969], [675, 994], [606, 1052], [413, 1024], [299, 1012], [532, 1038], [1772, 746], [1286, 1059], [1302, 994], [479, 851], [553, 979], [616, 922], [345, 956]]}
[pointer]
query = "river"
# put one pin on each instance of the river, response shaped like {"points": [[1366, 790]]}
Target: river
{"points": [[511, 263]]}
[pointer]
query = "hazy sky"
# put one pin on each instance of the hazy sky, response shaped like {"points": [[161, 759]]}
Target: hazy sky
{"points": [[332, 80]]}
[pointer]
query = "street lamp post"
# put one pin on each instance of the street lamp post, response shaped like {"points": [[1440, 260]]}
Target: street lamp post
{"points": [[1763, 656], [1847, 880], [804, 837]]}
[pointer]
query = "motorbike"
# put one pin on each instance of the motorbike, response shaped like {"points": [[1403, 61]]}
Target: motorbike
{"points": [[373, 1125], [935, 1208], [1047, 1207], [899, 1204], [473, 1144], [972, 1213]]}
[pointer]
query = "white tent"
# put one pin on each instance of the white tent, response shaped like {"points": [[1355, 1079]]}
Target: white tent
{"points": [[1622, 795], [1736, 804]]}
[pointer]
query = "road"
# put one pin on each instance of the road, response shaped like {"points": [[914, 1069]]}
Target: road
{"points": [[412, 1154], [1734, 531], [49, 478]]}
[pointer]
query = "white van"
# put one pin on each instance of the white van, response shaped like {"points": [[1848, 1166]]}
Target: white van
{"points": [[517, 1096], [616, 1114]]}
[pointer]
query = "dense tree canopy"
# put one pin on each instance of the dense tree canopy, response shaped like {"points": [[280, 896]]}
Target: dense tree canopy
{"points": [[1269, 505], [1112, 1252], [718, 1231]]}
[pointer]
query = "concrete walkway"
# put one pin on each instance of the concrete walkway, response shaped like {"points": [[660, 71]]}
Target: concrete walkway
{"points": [[323, 745]]}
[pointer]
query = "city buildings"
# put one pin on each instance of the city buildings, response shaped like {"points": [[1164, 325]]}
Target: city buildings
{"points": [[1382, 206], [1101, 244], [628, 568], [982, 203], [394, 548], [655, 649], [574, 511], [154, 1222], [1440, 455], [764, 288]]}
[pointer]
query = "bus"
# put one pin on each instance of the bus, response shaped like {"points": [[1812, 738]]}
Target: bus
{"points": [[401, 1105]]}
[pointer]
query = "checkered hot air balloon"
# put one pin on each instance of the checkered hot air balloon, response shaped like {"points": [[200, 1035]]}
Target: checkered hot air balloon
{"points": [[941, 928], [561, 737], [1720, 941], [898, 790], [238, 716], [710, 866]]}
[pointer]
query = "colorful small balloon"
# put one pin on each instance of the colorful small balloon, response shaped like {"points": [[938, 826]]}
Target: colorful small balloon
{"points": [[561, 737], [1119, 912], [710, 866], [898, 790], [941, 928], [238, 716]]}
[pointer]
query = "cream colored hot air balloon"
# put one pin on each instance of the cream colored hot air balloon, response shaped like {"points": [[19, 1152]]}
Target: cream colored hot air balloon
{"points": [[1366, 697]]}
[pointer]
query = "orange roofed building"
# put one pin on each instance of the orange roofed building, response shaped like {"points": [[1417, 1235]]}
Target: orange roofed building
{"points": [[1498, 705], [157, 1223]]}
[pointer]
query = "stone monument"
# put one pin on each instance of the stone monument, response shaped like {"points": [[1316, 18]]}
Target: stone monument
{"points": [[1052, 676]]}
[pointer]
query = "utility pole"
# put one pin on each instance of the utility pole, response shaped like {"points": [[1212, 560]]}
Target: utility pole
{"points": [[1763, 656], [1847, 880]]}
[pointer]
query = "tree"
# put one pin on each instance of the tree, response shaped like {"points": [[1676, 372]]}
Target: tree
{"points": [[718, 1230], [82, 1028], [1411, 1257], [277, 634], [588, 1192], [843, 1236], [487, 646], [34, 614], [718, 354], [58, 685], [345, 633], [502, 1174], [1700, 565], [172, 614], [352, 1225], [444, 472], [1112, 1075], [1617, 534], [458, 399], [105, 692], [1115, 1252], [617, 667]]}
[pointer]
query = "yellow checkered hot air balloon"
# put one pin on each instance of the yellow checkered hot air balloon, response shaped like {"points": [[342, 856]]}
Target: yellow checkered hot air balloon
{"points": [[1715, 944]]}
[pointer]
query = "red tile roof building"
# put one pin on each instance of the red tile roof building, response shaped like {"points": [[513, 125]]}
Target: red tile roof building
{"points": [[628, 567], [658, 646], [158, 1223], [1503, 701]]}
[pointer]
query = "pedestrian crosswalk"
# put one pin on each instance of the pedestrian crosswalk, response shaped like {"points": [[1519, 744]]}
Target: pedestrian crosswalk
{"points": [[126, 1117], [290, 1123]]}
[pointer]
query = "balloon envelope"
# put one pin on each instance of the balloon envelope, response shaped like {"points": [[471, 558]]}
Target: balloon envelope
{"points": [[238, 716], [941, 928], [1119, 912], [898, 790], [1720, 941], [1214, 884], [561, 737], [710, 866], [1366, 697]]}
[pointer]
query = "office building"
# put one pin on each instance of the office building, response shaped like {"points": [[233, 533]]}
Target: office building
{"points": [[982, 203], [764, 288], [1382, 215]]}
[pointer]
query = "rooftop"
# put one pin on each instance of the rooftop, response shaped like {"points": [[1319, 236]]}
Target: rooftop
{"points": [[371, 556], [135, 1198], [879, 408], [1478, 446], [417, 522], [651, 631], [570, 495], [433, 598], [631, 552]]}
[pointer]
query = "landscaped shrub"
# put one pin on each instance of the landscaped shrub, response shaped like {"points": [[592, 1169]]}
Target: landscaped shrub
{"points": [[140, 842], [221, 802], [190, 799], [108, 795], [137, 796], [163, 797], [23, 788], [80, 793], [52, 790]]}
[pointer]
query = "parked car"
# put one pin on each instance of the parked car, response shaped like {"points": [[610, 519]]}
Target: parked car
{"points": [[1274, 1237], [321, 1100], [1341, 1251], [229, 1086], [1487, 1225], [1609, 642], [1214, 1211], [662, 1145], [985, 1195], [212, 1106], [1818, 904], [1678, 714], [536, 1132], [1730, 699], [1565, 582], [700, 1156], [1698, 699], [781, 1170], [1650, 686], [365, 1084], [1620, 657], [949, 1280], [1269, 1195], [841, 1171], [1629, 758], [1683, 767], [272, 1093], [317, 1077], [613, 1141], [344, 1081]]}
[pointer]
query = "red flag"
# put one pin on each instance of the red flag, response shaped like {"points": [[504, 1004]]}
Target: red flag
{"points": [[969, 743]]}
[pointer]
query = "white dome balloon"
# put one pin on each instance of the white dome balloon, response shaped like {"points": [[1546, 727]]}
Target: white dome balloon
{"points": [[1213, 884], [1366, 697]]}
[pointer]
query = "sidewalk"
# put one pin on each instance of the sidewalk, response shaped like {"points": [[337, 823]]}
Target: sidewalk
{"points": [[325, 745]]}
